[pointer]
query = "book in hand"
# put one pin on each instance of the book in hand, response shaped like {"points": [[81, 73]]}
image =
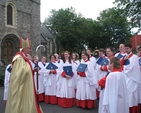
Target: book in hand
{"points": [[140, 61], [126, 62], [51, 66], [99, 60], [9, 69], [104, 62], [81, 67], [68, 70], [119, 56]]}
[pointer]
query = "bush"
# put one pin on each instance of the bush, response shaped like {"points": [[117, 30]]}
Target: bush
{"points": [[2, 75]]}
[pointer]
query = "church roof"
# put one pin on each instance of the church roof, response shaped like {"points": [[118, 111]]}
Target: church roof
{"points": [[46, 33]]}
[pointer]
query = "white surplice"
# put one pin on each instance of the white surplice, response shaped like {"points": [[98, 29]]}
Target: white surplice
{"points": [[86, 86], [133, 80], [66, 87], [115, 97], [50, 81], [6, 82]]}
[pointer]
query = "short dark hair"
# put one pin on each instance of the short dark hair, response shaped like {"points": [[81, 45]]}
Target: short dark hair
{"points": [[139, 47], [89, 49], [116, 62], [110, 49], [51, 56], [85, 53], [101, 50], [128, 45]]}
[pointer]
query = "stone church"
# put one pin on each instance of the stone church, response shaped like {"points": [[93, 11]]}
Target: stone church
{"points": [[22, 18]]}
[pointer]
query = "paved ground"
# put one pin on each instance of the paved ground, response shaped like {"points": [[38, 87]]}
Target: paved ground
{"points": [[47, 108]]}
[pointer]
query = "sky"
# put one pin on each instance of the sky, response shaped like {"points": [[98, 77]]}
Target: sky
{"points": [[88, 8]]}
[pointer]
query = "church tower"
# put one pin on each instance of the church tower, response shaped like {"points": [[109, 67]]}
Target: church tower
{"points": [[18, 18]]}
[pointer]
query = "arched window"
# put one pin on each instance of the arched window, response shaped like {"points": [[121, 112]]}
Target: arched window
{"points": [[9, 15]]}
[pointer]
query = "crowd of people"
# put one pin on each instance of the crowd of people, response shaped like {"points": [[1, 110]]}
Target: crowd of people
{"points": [[114, 79]]}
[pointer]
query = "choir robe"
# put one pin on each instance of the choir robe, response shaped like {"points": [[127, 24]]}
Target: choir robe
{"points": [[21, 92], [75, 66], [122, 53], [115, 98], [133, 79], [104, 73], [6, 82], [50, 83], [100, 73], [66, 87], [86, 88], [140, 85], [41, 87]]}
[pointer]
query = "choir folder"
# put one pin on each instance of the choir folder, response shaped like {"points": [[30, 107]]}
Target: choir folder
{"points": [[51, 66], [119, 56], [140, 61], [104, 62], [99, 60], [68, 70], [81, 67]]}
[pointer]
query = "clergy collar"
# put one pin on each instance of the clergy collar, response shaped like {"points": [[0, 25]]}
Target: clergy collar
{"points": [[117, 70], [86, 60], [122, 52]]}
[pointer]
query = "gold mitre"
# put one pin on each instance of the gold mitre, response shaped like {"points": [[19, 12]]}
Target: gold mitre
{"points": [[24, 43]]}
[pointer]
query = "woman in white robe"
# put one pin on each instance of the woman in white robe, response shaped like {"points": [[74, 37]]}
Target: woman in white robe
{"points": [[86, 88], [75, 65], [50, 82], [66, 85]]}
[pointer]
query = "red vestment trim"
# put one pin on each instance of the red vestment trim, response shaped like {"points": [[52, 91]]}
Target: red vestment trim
{"points": [[66, 102], [50, 99], [27, 60], [86, 103]]}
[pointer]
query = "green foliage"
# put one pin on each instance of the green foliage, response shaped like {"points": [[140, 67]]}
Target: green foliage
{"points": [[73, 31], [132, 8], [115, 28]]}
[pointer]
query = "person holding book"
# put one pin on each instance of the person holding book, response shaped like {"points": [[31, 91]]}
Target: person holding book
{"points": [[66, 85], [41, 87], [50, 81], [115, 98], [103, 66], [133, 77], [86, 88]]}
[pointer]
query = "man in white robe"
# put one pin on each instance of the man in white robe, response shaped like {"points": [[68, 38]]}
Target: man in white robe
{"points": [[133, 77], [115, 99]]}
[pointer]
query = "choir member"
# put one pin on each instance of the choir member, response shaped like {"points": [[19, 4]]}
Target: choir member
{"points": [[105, 70], [133, 77], [58, 60], [50, 83], [86, 88], [6, 82], [42, 68], [100, 73], [121, 51], [92, 59], [66, 85], [76, 63], [115, 98]]}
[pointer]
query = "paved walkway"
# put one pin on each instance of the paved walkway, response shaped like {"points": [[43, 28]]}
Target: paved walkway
{"points": [[47, 108]]}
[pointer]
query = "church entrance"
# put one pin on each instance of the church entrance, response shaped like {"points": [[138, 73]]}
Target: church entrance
{"points": [[10, 45]]}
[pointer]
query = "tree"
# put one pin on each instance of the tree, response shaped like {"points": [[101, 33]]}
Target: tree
{"points": [[132, 8], [115, 28], [66, 25]]}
